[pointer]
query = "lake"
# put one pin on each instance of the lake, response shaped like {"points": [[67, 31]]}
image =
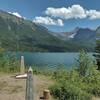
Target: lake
{"points": [[50, 59]]}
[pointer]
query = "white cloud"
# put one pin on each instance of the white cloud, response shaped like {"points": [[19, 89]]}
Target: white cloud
{"points": [[60, 22], [48, 21], [73, 12], [16, 14], [93, 14]]}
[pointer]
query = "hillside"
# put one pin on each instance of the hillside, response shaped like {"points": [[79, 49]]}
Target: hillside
{"points": [[83, 37], [18, 34], [23, 35]]}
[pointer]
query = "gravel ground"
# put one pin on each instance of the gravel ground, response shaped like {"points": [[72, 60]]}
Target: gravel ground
{"points": [[11, 88], [14, 89]]}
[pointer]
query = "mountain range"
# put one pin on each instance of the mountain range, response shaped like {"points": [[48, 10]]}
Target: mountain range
{"points": [[19, 34]]}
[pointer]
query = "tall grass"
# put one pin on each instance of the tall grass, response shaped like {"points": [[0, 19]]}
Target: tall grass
{"points": [[8, 63]]}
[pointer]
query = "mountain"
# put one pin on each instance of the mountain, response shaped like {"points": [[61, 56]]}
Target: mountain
{"points": [[80, 36], [85, 36], [98, 30], [18, 34]]}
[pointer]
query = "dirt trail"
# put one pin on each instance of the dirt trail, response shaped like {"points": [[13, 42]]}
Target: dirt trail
{"points": [[40, 84], [96, 98], [11, 88], [14, 89]]}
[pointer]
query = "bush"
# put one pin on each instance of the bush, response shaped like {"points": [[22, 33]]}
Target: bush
{"points": [[92, 83], [85, 63], [69, 92]]}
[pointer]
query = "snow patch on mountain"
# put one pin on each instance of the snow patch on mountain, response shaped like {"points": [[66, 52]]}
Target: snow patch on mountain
{"points": [[72, 35]]}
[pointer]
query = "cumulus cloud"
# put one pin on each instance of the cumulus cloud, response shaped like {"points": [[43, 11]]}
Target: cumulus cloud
{"points": [[48, 21], [93, 14], [73, 12], [16, 14], [55, 16]]}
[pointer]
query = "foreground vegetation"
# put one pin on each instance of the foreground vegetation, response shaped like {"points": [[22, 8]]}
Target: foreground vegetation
{"points": [[8, 62], [82, 82]]}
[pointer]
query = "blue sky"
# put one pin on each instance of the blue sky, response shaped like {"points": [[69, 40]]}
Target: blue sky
{"points": [[50, 13]]}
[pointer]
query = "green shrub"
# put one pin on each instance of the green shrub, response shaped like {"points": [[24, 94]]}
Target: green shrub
{"points": [[85, 63], [69, 92], [92, 83]]}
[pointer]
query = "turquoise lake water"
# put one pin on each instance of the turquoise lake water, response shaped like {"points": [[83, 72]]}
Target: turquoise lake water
{"points": [[50, 59]]}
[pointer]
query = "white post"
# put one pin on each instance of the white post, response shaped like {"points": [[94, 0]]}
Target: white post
{"points": [[22, 68]]}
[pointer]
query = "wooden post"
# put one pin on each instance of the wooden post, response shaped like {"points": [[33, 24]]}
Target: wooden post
{"points": [[29, 85], [22, 68], [46, 94]]}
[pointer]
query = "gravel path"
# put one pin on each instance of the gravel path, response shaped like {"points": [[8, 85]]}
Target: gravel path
{"points": [[11, 88], [14, 89]]}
